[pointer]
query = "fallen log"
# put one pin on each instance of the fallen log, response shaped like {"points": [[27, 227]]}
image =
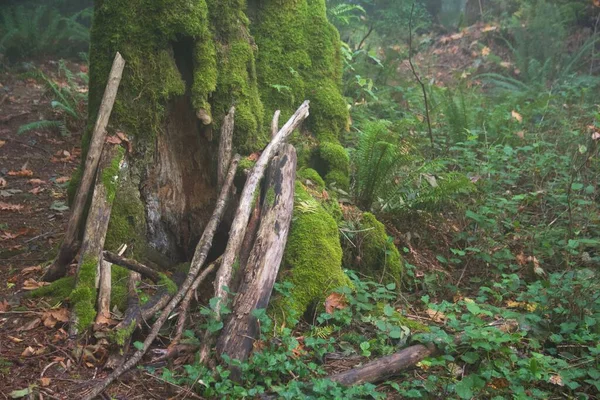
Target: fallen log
{"points": [[197, 262], [242, 328], [68, 248], [90, 260]]}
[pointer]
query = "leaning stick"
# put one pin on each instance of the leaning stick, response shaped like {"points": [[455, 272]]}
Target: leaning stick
{"points": [[240, 220], [132, 265], [199, 258], [105, 288], [275, 124], [224, 157], [242, 215], [68, 248]]}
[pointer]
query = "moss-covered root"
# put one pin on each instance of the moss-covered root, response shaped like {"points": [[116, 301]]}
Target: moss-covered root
{"points": [[375, 256], [83, 297], [312, 260]]}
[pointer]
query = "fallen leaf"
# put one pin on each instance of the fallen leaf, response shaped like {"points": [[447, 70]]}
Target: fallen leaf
{"points": [[485, 51], [36, 182], [113, 140], [505, 64], [335, 301], [2, 182], [29, 270], [4, 306], [517, 116], [30, 351], [21, 172], [14, 339], [34, 323], [52, 317], [59, 206], [2, 143], [253, 156], [44, 381], [36, 190], [520, 134], [596, 3], [9, 192], [489, 28], [18, 394], [10, 207], [556, 379], [62, 179], [32, 284], [596, 135], [435, 315]]}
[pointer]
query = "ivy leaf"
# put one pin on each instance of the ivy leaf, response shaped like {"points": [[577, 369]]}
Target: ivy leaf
{"points": [[464, 388]]}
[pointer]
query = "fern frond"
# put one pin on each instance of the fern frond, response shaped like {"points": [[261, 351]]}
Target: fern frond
{"points": [[39, 125]]}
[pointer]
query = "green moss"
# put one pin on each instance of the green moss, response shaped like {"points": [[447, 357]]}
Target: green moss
{"points": [[127, 221], [270, 196], [73, 185], [83, 297], [414, 326], [312, 259], [375, 255], [333, 162], [309, 174], [168, 284], [119, 293], [60, 289], [111, 173], [121, 335]]}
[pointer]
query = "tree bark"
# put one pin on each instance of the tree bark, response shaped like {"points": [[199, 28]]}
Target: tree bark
{"points": [[105, 289], [242, 328], [96, 226], [68, 248], [225, 143]]}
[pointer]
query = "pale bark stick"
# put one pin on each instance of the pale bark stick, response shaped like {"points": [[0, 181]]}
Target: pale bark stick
{"points": [[242, 215], [105, 289], [97, 221], [240, 221], [225, 144], [242, 328], [132, 265], [275, 124], [68, 248], [199, 258]]}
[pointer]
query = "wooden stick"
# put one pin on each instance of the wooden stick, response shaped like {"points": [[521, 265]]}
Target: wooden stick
{"points": [[68, 248], [185, 303], [242, 328], [199, 258], [242, 215], [275, 124], [96, 224], [132, 265], [240, 221], [224, 158], [105, 289]]}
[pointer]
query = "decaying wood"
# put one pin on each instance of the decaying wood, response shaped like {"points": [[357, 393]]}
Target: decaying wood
{"points": [[250, 235], [385, 367], [105, 289], [197, 262], [225, 144], [242, 328], [242, 215], [132, 265], [68, 248], [96, 223], [185, 303]]}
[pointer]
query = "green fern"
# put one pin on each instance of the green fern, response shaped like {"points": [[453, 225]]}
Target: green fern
{"points": [[40, 125], [344, 13]]}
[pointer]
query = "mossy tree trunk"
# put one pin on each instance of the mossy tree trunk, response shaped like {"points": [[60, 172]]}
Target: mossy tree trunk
{"points": [[188, 62]]}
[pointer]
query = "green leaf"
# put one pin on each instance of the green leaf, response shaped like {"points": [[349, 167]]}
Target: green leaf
{"points": [[17, 394], [470, 357], [396, 333], [388, 310], [464, 388], [138, 345]]}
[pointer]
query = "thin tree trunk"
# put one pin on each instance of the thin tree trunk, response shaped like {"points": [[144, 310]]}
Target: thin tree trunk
{"points": [[68, 248], [242, 328], [105, 289], [96, 224]]}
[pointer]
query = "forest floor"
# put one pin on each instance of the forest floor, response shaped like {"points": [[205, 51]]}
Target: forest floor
{"points": [[35, 168]]}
